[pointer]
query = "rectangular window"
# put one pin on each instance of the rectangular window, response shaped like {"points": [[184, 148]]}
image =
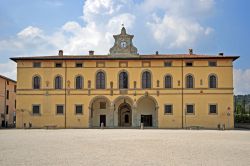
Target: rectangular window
{"points": [[36, 109], [8, 83], [168, 64], [7, 109], [15, 103], [59, 109], [7, 94], [190, 109], [15, 88], [58, 64], [102, 105], [189, 64], [36, 64], [168, 109], [79, 109], [79, 65], [212, 109], [212, 63]]}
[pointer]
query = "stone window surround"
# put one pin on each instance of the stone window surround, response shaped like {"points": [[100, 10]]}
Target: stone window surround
{"points": [[56, 109], [82, 109], [193, 109], [171, 109], [209, 113]]}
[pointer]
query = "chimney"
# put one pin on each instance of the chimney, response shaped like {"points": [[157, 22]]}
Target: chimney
{"points": [[91, 52], [190, 51], [156, 53], [221, 54], [60, 53]]}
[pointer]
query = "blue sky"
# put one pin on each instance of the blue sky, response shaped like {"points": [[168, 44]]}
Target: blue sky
{"points": [[42, 27]]}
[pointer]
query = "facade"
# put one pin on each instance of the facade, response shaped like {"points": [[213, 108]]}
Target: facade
{"points": [[7, 101], [125, 89]]}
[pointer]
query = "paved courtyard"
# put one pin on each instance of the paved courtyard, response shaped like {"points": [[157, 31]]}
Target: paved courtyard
{"points": [[130, 147]]}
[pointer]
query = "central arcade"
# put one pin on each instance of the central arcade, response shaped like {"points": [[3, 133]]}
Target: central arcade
{"points": [[123, 112]]}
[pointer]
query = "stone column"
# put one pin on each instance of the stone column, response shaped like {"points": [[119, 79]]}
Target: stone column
{"points": [[90, 117], [155, 121], [111, 114], [134, 116]]}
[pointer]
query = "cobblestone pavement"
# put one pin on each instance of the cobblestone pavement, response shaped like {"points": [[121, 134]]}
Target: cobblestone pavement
{"points": [[130, 147]]}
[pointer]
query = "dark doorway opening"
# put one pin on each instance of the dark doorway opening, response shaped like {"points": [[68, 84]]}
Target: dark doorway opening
{"points": [[103, 120], [146, 120], [126, 118], [3, 123]]}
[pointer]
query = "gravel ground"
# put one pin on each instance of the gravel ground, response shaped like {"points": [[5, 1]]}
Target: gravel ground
{"points": [[130, 147]]}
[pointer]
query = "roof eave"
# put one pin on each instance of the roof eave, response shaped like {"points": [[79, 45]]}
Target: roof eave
{"points": [[15, 59]]}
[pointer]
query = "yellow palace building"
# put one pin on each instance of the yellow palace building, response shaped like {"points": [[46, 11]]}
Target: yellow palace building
{"points": [[125, 89]]}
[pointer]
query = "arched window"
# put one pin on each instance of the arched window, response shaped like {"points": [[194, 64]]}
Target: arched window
{"points": [[58, 82], [36, 82], [168, 81], [212, 81], [100, 80], [79, 82], [189, 81], [146, 80], [123, 80]]}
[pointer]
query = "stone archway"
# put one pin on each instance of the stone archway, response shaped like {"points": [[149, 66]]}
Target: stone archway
{"points": [[147, 111], [123, 110], [125, 115], [100, 112]]}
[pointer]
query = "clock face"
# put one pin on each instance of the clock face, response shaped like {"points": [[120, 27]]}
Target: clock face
{"points": [[123, 44]]}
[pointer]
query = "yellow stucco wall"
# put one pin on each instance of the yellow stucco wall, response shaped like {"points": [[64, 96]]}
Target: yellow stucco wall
{"points": [[201, 96], [7, 85]]}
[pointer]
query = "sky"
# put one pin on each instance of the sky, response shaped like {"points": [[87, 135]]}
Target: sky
{"points": [[42, 27]]}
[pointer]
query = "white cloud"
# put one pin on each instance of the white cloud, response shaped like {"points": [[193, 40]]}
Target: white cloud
{"points": [[72, 27], [242, 81], [172, 24], [30, 32], [103, 18], [180, 8], [179, 26], [8, 69], [115, 22], [176, 31]]}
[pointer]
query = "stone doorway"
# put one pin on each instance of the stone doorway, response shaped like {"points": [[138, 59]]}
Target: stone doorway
{"points": [[125, 115]]}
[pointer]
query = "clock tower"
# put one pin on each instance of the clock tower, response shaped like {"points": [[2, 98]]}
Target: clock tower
{"points": [[123, 44]]}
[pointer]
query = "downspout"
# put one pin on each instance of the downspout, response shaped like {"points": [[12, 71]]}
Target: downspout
{"points": [[182, 92], [65, 93]]}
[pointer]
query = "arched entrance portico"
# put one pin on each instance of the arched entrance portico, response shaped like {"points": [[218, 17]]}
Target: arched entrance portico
{"points": [[125, 115], [100, 112], [123, 112], [147, 111]]}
